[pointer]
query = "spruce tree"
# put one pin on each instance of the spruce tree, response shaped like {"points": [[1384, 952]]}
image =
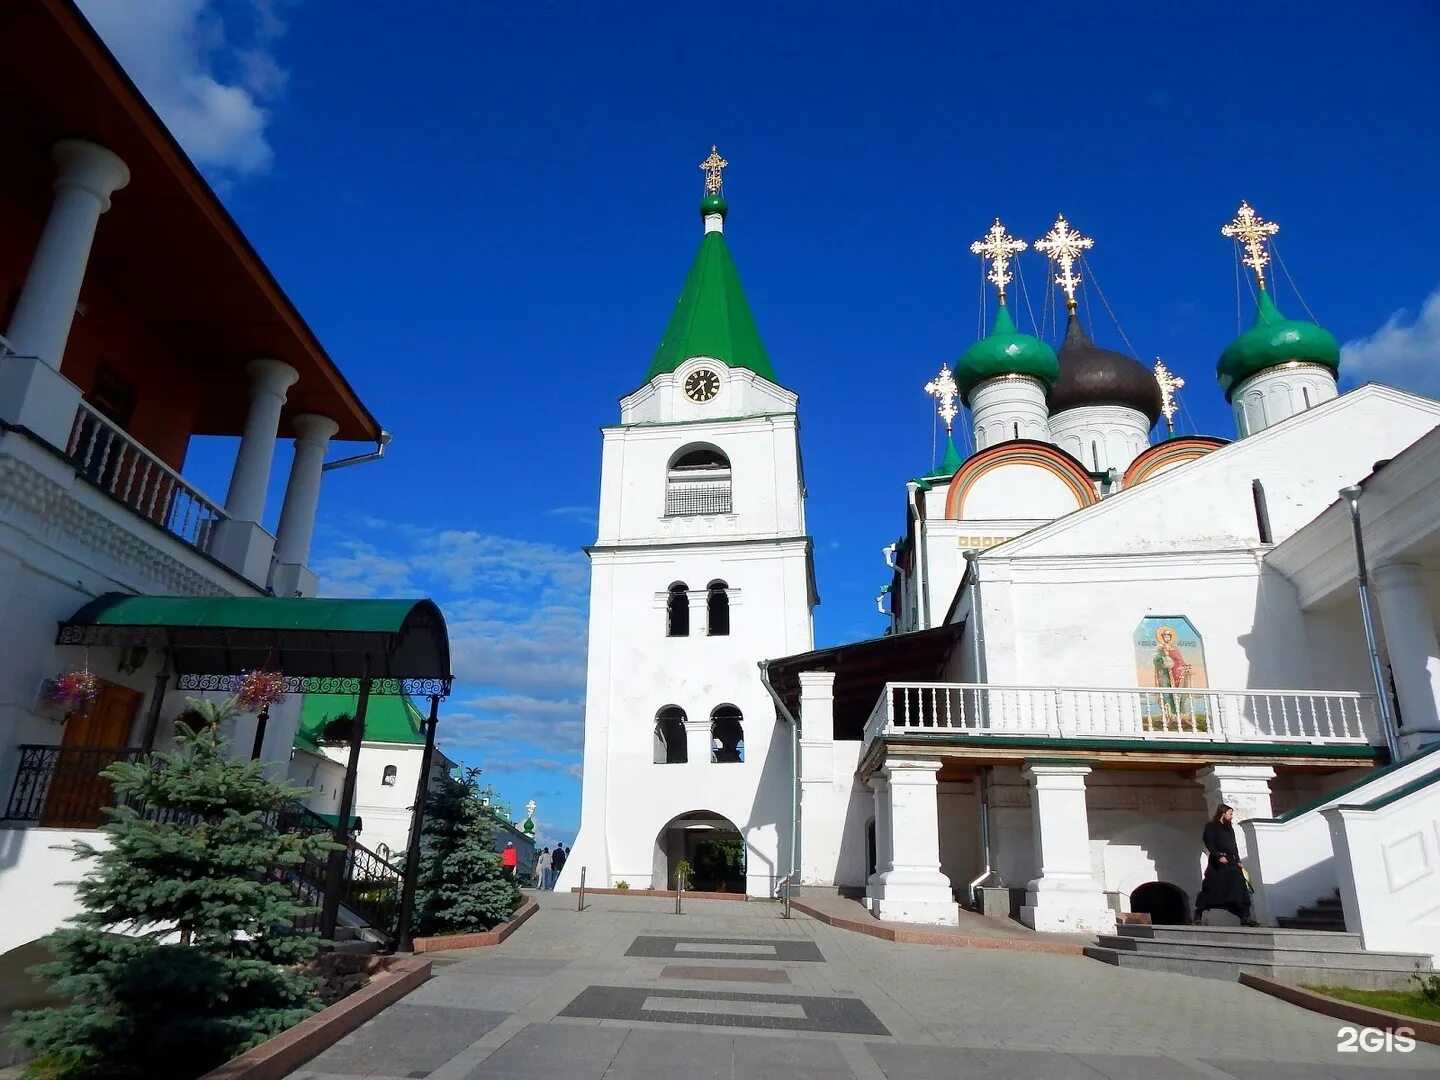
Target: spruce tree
{"points": [[462, 887], [185, 952]]}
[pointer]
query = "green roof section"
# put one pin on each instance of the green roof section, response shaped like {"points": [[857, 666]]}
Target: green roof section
{"points": [[388, 719], [950, 464], [1006, 351], [1272, 341], [248, 613], [712, 317]]}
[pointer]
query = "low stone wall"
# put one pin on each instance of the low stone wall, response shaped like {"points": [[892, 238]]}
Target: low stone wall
{"points": [[952, 940], [527, 907], [278, 1057]]}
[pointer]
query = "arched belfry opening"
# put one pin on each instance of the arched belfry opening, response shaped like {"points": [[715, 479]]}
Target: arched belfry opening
{"points": [[697, 482], [677, 611], [717, 609], [670, 736], [727, 735]]}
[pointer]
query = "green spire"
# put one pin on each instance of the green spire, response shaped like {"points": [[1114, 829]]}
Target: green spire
{"points": [[1272, 341], [1006, 351], [950, 464], [712, 317]]}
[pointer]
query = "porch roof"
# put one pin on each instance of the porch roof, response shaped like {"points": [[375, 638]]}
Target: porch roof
{"points": [[862, 668], [327, 644]]}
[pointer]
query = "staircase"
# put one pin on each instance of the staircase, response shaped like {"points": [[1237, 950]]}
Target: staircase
{"points": [[1325, 914], [1314, 957], [370, 888]]}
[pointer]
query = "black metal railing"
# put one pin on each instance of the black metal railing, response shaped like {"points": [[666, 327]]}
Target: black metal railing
{"points": [[62, 786]]}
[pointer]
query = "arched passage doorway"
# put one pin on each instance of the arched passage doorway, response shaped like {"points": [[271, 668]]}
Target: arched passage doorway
{"points": [[1166, 904], [710, 843]]}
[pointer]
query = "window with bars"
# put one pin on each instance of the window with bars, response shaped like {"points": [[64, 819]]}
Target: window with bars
{"points": [[698, 482]]}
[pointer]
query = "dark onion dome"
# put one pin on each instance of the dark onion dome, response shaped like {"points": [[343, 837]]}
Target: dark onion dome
{"points": [[1005, 351], [1272, 341], [1090, 375]]}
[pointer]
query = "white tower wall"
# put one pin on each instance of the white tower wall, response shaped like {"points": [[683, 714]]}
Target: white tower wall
{"points": [[1009, 407], [1101, 437], [1279, 393]]}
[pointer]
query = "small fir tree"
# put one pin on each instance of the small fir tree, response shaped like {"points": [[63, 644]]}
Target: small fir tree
{"points": [[462, 887], [185, 952]]}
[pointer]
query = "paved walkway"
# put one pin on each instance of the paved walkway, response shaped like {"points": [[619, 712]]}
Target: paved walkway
{"points": [[630, 991]]}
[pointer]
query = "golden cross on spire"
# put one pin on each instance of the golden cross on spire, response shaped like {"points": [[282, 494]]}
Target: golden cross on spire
{"points": [[713, 166], [998, 248], [1063, 245], [943, 389], [1168, 385], [1252, 231]]}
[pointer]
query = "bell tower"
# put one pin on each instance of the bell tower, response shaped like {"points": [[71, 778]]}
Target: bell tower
{"points": [[702, 568]]}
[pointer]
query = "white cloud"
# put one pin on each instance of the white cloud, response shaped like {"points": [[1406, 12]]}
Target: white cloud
{"points": [[208, 88], [1404, 352]]}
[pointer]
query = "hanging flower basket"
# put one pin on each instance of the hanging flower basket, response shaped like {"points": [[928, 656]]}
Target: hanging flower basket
{"points": [[256, 691], [73, 691]]}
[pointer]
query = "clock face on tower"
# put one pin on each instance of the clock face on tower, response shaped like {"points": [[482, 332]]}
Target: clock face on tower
{"points": [[702, 384]]}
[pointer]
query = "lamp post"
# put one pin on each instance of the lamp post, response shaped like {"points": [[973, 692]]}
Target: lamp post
{"points": [[1351, 495], [405, 939]]}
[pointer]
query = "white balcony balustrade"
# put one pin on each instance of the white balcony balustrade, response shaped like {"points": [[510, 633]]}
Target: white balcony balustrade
{"points": [[937, 710], [119, 465]]}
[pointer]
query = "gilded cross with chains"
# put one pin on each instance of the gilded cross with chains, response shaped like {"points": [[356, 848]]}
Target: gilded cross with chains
{"points": [[998, 247], [1253, 232], [1169, 384], [943, 389], [1063, 245], [713, 166]]}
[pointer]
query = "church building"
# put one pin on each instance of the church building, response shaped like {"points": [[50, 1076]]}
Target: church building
{"points": [[1099, 631]]}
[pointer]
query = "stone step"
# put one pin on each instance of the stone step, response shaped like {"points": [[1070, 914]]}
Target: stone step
{"points": [[1229, 970], [1325, 923], [1265, 953], [1270, 936], [1329, 903]]}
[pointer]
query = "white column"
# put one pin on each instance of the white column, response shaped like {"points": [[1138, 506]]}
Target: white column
{"points": [[1065, 897], [269, 380], [1414, 654], [697, 742], [822, 802], [302, 492], [880, 787], [913, 889], [89, 174], [1245, 788]]}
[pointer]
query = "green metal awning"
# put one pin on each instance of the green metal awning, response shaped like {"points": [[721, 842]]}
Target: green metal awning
{"points": [[324, 645]]}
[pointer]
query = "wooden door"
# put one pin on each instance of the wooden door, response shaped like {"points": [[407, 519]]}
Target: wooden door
{"points": [[93, 741]]}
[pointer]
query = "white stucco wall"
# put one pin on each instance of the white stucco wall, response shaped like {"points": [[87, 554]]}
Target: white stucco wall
{"points": [[384, 810], [35, 872], [634, 669]]}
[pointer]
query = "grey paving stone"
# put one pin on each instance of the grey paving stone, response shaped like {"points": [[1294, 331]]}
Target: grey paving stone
{"points": [[1357, 1067], [406, 1041], [476, 990], [724, 974], [788, 1059], [832, 1014], [549, 1051], [725, 948], [669, 1055], [1137, 1067], [522, 966]]}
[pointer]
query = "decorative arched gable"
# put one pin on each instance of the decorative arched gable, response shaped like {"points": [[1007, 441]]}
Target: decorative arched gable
{"points": [[1166, 455], [1055, 478]]}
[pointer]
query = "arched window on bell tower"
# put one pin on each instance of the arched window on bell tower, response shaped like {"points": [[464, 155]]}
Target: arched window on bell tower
{"points": [[670, 736], [717, 609], [697, 482], [677, 611]]}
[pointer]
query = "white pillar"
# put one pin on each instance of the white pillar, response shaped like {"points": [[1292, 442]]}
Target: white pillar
{"points": [[89, 174], [913, 889], [823, 802], [1245, 788], [1414, 653], [880, 787], [697, 742], [269, 380], [302, 492], [1065, 897]]}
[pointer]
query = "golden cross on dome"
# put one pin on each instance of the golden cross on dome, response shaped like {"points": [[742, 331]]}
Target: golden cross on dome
{"points": [[713, 166], [1063, 245], [998, 248], [1168, 385], [943, 389], [1252, 231]]}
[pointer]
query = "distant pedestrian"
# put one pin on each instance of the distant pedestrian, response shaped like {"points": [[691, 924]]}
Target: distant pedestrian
{"points": [[1226, 885], [509, 859], [542, 869], [557, 861]]}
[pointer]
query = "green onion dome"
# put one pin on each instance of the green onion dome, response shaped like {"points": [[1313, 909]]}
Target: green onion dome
{"points": [[1006, 351], [714, 204], [1272, 341]]}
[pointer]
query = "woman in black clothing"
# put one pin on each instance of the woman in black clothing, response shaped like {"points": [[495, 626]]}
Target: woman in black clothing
{"points": [[1224, 886]]}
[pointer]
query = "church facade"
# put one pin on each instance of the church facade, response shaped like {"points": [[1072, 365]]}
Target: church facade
{"points": [[1096, 637]]}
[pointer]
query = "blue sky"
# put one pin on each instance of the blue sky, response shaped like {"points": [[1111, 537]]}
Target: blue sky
{"points": [[486, 212]]}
